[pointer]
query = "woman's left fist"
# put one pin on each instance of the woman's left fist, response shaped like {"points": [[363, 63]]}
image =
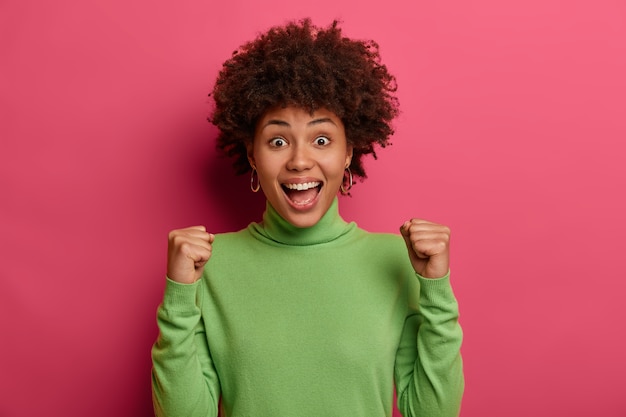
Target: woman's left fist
{"points": [[429, 247]]}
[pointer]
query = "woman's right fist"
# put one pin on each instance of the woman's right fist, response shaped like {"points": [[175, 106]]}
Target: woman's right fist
{"points": [[187, 251]]}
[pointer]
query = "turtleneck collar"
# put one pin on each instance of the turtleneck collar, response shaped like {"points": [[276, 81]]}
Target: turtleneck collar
{"points": [[330, 227]]}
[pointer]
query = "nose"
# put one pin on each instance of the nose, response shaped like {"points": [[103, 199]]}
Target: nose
{"points": [[300, 158]]}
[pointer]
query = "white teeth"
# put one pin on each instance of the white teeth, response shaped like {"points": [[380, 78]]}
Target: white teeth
{"points": [[302, 186]]}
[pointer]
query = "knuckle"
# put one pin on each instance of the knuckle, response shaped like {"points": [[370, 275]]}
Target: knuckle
{"points": [[185, 247], [176, 239]]}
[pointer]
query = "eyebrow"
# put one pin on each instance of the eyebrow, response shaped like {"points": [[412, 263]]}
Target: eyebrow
{"points": [[314, 122]]}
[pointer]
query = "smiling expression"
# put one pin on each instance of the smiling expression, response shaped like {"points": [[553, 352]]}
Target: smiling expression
{"points": [[300, 158]]}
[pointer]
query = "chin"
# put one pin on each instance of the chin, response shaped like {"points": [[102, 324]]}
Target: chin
{"points": [[303, 220]]}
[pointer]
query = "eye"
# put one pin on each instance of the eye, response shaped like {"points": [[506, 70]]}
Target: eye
{"points": [[277, 142], [322, 141]]}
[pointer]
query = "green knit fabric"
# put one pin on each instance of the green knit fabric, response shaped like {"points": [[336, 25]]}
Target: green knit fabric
{"points": [[308, 322]]}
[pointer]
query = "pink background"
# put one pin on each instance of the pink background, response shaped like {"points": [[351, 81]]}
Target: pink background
{"points": [[512, 133]]}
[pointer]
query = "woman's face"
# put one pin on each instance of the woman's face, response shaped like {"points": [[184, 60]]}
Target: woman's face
{"points": [[300, 158]]}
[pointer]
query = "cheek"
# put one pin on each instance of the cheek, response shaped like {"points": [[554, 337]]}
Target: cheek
{"points": [[336, 168], [266, 165], [268, 177], [265, 175]]}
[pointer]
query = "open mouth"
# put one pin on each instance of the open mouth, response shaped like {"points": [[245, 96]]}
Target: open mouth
{"points": [[303, 193]]}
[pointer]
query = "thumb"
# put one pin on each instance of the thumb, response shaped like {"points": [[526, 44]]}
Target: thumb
{"points": [[404, 231], [199, 260], [406, 235]]}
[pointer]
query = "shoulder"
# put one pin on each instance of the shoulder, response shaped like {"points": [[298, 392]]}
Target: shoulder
{"points": [[380, 245], [232, 242], [236, 236], [380, 255], [388, 239]]}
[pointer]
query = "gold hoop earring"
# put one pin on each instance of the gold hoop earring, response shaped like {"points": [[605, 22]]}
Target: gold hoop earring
{"points": [[258, 183], [343, 189]]}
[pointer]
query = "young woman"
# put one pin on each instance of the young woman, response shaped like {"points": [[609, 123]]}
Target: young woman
{"points": [[305, 314]]}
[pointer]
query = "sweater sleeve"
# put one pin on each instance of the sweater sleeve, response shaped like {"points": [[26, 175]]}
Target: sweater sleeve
{"points": [[429, 368], [184, 380]]}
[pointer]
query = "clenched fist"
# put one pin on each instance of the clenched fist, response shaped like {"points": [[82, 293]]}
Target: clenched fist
{"points": [[187, 252], [429, 247]]}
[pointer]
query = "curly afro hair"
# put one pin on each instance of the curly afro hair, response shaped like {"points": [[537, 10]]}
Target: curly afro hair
{"points": [[309, 67]]}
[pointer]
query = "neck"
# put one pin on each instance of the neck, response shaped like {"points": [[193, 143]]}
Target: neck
{"points": [[328, 228]]}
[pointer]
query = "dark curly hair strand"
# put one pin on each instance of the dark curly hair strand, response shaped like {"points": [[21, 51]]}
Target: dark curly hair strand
{"points": [[310, 67]]}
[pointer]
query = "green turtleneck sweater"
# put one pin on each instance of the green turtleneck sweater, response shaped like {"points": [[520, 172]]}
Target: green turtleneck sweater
{"points": [[308, 322]]}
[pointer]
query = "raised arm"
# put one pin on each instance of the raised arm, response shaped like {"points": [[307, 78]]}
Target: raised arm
{"points": [[184, 380], [429, 369]]}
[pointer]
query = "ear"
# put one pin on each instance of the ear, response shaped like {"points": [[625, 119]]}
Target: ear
{"points": [[250, 153], [349, 153]]}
